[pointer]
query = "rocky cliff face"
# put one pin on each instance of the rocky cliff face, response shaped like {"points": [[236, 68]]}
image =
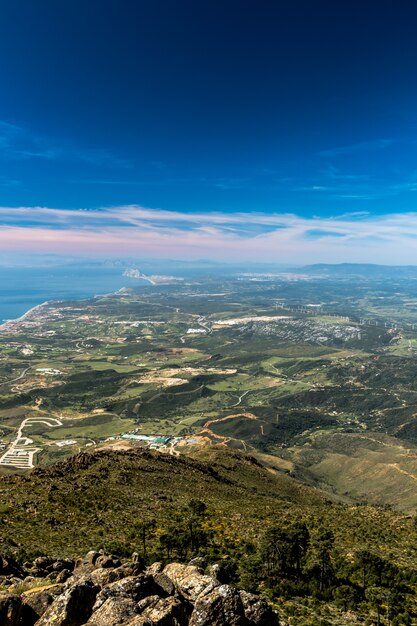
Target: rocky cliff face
{"points": [[99, 590]]}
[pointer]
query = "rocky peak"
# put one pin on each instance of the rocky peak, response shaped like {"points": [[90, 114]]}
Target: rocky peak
{"points": [[99, 590]]}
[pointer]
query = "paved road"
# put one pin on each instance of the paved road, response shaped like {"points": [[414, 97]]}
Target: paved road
{"points": [[203, 324], [241, 397], [20, 454], [14, 380]]}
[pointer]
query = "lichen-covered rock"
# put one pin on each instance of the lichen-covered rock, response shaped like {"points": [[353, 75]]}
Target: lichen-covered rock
{"points": [[257, 610], [42, 563], [107, 561], [220, 607], [83, 569], [167, 612], [10, 607], [218, 572], [63, 564], [63, 576], [165, 584], [45, 566], [104, 576], [114, 612], [92, 561], [129, 569], [133, 587], [128, 595], [147, 602], [198, 561], [92, 556], [12, 581], [73, 607], [139, 620], [189, 580], [155, 568], [36, 601]]}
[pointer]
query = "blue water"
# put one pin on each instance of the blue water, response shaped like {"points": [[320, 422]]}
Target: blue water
{"points": [[23, 288]]}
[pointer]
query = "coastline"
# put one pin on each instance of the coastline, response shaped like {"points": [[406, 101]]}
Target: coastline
{"points": [[23, 288], [34, 308], [12, 322]]}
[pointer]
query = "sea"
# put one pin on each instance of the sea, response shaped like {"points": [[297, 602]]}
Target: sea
{"points": [[23, 288]]}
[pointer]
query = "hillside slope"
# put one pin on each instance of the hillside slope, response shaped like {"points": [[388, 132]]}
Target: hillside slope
{"points": [[310, 554]]}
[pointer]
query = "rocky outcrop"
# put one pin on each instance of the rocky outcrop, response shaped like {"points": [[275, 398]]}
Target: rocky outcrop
{"points": [[257, 610], [219, 606], [100, 591], [114, 610], [10, 608], [10, 567], [73, 607], [43, 567], [36, 601], [189, 580]]}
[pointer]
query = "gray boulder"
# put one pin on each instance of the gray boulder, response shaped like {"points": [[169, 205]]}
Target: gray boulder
{"points": [[221, 606], [10, 608], [165, 584], [35, 603], [104, 576], [114, 612], [128, 595], [63, 576], [257, 610], [135, 588], [189, 580], [107, 561], [73, 607], [167, 612], [155, 568], [91, 557]]}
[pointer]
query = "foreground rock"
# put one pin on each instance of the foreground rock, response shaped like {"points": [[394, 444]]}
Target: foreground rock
{"points": [[73, 607], [100, 591], [221, 605], [10, 608], [36, 601]]}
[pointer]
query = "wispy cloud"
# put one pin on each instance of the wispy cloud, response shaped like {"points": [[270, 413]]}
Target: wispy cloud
{"points": [[108, 181], [49, 154], [7, 127], [357, 196], [334, 173], [5, 181], [231, 183], [336, 183], [8, 134], [363, 146], [99, 157], [17, 142], [202, 182], [138, 231]]}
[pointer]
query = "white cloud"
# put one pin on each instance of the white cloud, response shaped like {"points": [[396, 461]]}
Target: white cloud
{"points": [[278, 237]]}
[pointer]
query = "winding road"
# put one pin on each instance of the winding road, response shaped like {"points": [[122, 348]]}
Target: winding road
{"points": [[20, 454], [14, 380], [240, 398]]}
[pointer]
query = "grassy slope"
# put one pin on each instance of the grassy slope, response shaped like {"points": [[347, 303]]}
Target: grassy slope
{"points": [[98, 499], [369, 466]]}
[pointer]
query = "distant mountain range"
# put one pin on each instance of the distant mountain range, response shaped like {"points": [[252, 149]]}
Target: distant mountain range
{"points": [[367, 270]]}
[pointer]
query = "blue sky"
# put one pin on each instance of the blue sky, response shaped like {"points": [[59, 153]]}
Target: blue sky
{"points": [[301, 109]]}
